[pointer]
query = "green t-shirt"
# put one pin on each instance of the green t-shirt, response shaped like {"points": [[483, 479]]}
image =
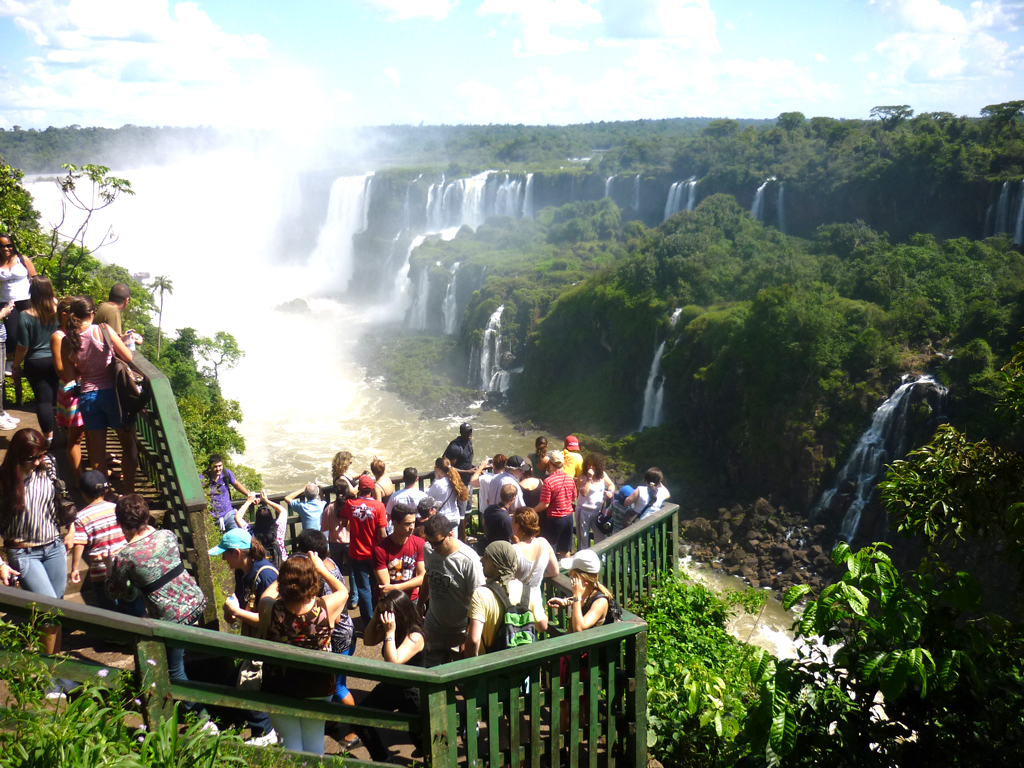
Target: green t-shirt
{"points": [[109, 314], [35, 336]]}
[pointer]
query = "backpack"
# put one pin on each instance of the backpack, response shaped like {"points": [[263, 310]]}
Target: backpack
{"points": [[517, 626], [133, 390], [605, 522]]}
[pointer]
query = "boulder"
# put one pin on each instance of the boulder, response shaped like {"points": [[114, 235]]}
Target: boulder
{"points": [[700, 530]]}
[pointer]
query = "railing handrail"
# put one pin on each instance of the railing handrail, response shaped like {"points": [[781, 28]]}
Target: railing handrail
{"points": [[634, 530], [192, 494]]}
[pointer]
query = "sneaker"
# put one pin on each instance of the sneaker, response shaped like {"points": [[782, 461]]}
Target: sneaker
{"points": [[268, 739], [55, 695], [210, 728], [6, 415]]}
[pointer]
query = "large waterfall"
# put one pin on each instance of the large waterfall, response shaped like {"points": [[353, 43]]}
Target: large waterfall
{"points": [[883, 442], [402, 294], [691, 193], [780, 209], [449, 307], [528, 197], [654, 393], [608, 186], [490, 348], [1018, 236], [757, 209], [674, 202], [347, 212], [418, 313], [636, 193], [1003, 209]]}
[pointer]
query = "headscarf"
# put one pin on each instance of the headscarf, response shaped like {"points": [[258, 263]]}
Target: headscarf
{"points": [[505, 559]]}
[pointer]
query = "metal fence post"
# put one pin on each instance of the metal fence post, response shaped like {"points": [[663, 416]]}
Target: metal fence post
{"points": [[154, 682]]}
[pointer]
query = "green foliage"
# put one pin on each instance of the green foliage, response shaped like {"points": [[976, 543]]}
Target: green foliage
{"points": [[698, 688], [909, 682]]}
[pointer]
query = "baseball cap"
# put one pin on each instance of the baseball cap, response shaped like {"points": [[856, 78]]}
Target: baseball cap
{"points": [[236, 538], [465, 429], [366, 481], [624, 492], [572, 443], [515, 461], [585, 561], [92, 482], [425, 506]]}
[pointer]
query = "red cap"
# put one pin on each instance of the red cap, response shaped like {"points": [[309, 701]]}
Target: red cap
{"points": [[572, 443], [366, 481]]}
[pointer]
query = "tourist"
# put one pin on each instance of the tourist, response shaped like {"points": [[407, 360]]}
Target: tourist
{"points": [[269, 523], [338, 538], [398, 558], [397, 626], [460, 454], [449, 492], [572, 463], [37, 324], [343, 481], [7, 422], [68, 415], [219, 480], [15, 271], [343, 640], [110, 312], [484, 482], [309, 508], [8, 576], [96, 529], [426, 508], [383, 487], [592, 603], [28, 523], [512, 475], [537, 558], [648, 498], [490, 601], [530, 485], [539, 458], [498, 517], [453, 572], [85, 354], [255, 577], [410, 494], [150, 565], [556, 498], [364, 517], [595, 489], [299, 616]]}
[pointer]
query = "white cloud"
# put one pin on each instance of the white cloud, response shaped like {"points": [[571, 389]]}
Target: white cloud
{"points": [[820, 57], [393, 75], [481, 103], [691, 22], [399, 10], [538, 17], [926, 15]]}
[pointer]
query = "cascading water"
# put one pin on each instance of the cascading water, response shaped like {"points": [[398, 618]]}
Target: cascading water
{"points": [[780, 210], [347, 212], [674, 203], [757, 209], [1003, 209], [449, 307], [399, 302], [691, 193], [883, 442], [1018, 236], [506, 202], [418, 313], [528, 197], [490, 347], [654, 393], [608, 186], [636, 193]]}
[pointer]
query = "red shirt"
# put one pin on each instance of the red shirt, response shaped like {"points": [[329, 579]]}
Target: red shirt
{"points": [[399, 561], [365, 515], [558, 492]]}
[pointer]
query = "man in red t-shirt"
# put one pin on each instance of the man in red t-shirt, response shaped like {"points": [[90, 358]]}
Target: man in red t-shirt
{"points": [[556, 498], [367, 524], [398, 559]]}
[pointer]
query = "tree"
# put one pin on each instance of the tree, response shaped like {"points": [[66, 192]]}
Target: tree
{"points": [[220, 352], [892, 116], [163, 284], [1003, 114], [790, 121]]}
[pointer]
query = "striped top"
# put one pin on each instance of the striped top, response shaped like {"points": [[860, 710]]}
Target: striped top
{"points": [[37, 522], [97, 528]]}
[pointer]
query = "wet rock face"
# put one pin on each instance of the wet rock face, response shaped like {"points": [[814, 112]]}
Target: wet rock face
{"points": [[764, 545]]}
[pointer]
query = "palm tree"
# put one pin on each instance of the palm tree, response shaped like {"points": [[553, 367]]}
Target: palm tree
{"points": [[163, 284]]}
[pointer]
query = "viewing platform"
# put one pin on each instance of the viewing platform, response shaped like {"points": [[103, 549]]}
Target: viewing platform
{"points": [[499, 709]]}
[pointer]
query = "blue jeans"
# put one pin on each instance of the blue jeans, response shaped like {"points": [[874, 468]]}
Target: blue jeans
{"points": [[44, 570], [362, 573]]}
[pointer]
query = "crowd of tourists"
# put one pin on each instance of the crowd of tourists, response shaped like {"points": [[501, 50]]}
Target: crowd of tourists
{"points": [[427, 592]]}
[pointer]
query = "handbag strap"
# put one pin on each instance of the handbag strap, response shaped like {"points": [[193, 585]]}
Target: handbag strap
{"points": [[105, 331], [167, 578]]}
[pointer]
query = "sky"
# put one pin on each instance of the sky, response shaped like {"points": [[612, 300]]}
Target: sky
{"points": [[328, 63]]}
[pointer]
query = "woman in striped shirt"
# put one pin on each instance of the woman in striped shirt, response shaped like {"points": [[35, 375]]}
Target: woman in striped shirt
{"points": [[28, 522]]}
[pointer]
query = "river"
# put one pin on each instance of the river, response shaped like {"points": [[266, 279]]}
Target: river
{"points": [[210, 223]]}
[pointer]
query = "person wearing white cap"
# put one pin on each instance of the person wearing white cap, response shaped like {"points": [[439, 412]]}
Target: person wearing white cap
{"points": [[591, 603]]}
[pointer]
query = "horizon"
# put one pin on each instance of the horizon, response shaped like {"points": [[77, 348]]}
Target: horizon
{"points": [[378, 63]]}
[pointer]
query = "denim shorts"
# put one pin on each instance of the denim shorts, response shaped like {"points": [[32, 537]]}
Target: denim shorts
{"points": [[100, 410]]}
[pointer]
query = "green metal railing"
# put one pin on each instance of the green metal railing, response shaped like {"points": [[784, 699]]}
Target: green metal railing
{"points": [[635, 559]]}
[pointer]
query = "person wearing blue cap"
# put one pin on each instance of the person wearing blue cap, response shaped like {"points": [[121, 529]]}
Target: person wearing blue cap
{"points": [[621, 512], [253, 576]]}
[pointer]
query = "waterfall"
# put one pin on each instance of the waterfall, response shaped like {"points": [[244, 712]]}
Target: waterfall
{"points": [[780, 210], [506, 202], [883, 442], [449, 305], [421, 297], [608, 186], [654, 393], [757, 209], [691, 196], [489, 348], [528, 197], [435, 194], [672, 203], [636, 193], [347, 215], [398, 303], [1018, 236], [1003, 209]]}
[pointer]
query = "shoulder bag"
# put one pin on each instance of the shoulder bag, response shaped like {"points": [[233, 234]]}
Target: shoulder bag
{"points": [[133, 390]]}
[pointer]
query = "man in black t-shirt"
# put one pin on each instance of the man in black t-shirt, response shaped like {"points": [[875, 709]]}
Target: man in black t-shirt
{"points": [[460, 453], [498, 517]]}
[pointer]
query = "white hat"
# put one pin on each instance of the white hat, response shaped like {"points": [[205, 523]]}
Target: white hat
{"points": [[585, 561]]}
